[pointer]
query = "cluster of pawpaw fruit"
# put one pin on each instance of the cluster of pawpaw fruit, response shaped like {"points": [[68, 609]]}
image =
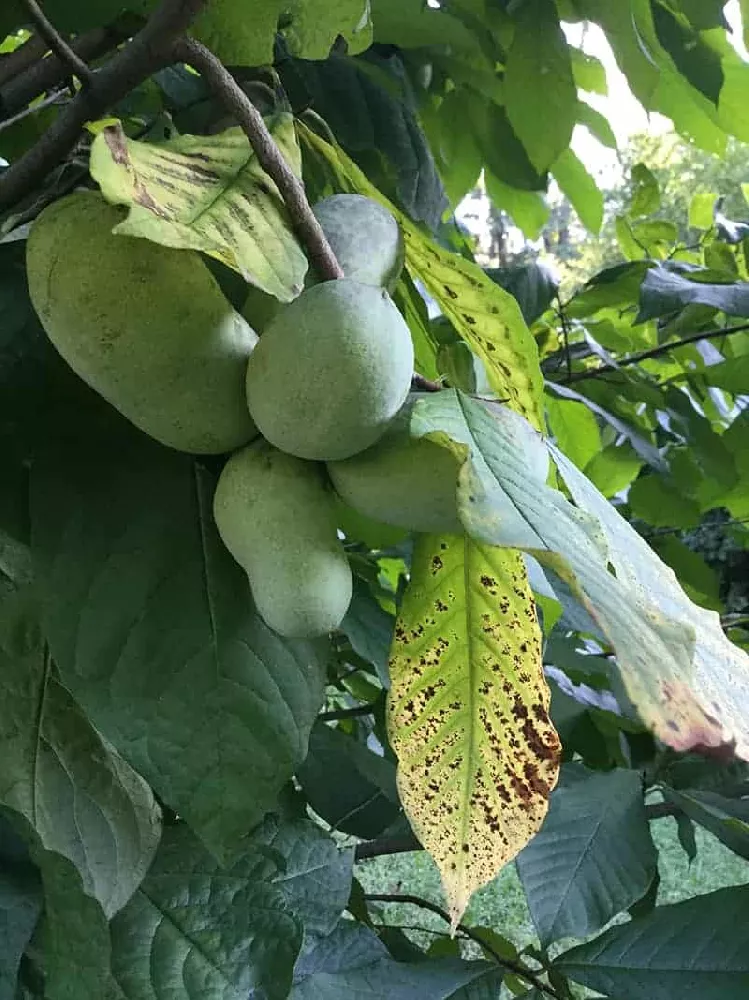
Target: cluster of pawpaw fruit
{"points": [[316, 405]]}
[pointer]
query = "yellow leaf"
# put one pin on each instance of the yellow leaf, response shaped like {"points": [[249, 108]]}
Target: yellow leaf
{"points": [[468, 711], [207, 193]]}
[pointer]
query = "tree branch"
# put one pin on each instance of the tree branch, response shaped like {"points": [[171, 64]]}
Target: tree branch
{"points": [[654, 352], [148, 51], [515, 967], [386, 845], [12, 63], [57, 43], [50, 99], [236, 102]]}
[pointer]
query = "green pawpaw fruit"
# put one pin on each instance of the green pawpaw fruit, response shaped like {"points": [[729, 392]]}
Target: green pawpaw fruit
{"points": [[330, 371], [144, 325], [407, 482], [275, 514], [365, 238]]}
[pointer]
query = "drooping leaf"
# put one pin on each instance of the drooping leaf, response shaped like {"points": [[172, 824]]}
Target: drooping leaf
{"points": [[207, 193], [539, 88], [153, 628], [20, 905], [727, 819], [574, 429], [581, 189], [468, 711], [348, 785], [528, 209], [589, 72], [687, 680], [664, 291], [352, 962], [72, 794], [533, 286], [695, 950], [592, 858], [485, 316], [197, 930]]}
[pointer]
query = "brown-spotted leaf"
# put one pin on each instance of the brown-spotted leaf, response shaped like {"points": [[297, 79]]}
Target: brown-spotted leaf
{"points": [[468, 711], [207, 193], [486, 316], [689, 683]]}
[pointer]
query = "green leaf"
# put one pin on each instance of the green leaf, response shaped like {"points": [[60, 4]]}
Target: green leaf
{"points": [[699, 580], [574, 429], [468, 711], [73, 795], [197, 930], [20, 906], [664, 291], [528, 209], [597, 124], [540, 91], [207, 193], [593, 857], [533, 285], [352, 962], [693, 950], [310, 26], [701, 209], [614, 468], [347, 785], [153, 628], [459, 160], [369, 109], [581, 189], [692, 56], [589, 72], [727, 819], [646, 195], [661, 504], [689, 683], [733, 375], [501, 148]]}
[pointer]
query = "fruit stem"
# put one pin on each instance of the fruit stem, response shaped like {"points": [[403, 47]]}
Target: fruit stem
{"points": [[238, 104]]}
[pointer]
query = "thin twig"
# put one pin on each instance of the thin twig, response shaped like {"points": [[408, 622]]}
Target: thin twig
{"points": [[57, 43], [32, 109], [419, 383], [655, 352], [148, 51], [385, 846], [346, 713], [238, 104], [515, 967]]}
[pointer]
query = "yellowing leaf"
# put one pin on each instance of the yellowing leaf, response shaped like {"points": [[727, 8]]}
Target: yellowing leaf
{"points": [[486, 316], [207, 193], [468, 711]]}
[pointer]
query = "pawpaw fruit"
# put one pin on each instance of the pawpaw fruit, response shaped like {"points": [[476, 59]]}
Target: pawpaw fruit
{"points": [[365, 238], [407, 482], [144, 325], [275, 514], [330, 371]]}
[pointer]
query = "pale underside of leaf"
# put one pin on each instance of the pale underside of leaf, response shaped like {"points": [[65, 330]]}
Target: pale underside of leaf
{"points": [[207, 193], [687, 680], [468, 711]]}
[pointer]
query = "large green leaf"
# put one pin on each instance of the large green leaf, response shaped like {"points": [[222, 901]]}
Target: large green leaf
{"points": [[349, 786], [72, 794], [153, 628], [207, 193], [540, 91], [581, 189], [20, 905], [197, 930], [352, 962], [243, 38], [468, 711], [664, 291], [592, 858], [695, 950], [687, 680], [727, 819]]}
